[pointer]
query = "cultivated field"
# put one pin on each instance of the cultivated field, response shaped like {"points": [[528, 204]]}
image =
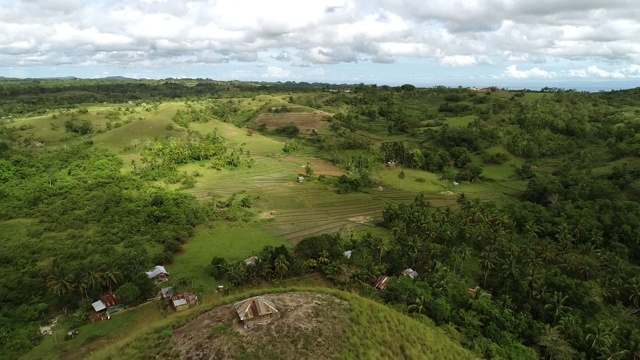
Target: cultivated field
{"points": [[306, 122]]}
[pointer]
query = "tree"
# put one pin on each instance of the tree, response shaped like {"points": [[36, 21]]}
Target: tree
{"points": [[128, 293], [634, 291], [237, 273], [419, 305], [218, 267], [59, 281], [556, 305], [487, 262], [401, 176], [281, 266], [555, 346], [308, 170], [111, 276]]}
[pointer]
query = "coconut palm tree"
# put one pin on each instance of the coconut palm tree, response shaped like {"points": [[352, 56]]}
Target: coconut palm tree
{"points": [[418, 306], [111, 276], [557, 306], [488, 263], [59, 281], [281, 266]]}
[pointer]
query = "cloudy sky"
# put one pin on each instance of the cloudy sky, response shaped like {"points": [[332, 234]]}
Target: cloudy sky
{"points": [[588, 44]]}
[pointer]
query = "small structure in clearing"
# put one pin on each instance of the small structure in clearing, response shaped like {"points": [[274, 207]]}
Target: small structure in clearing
{"points": [[103, 308], [410, 273], [182, 302], [251, 261], [158, 274], [382, 282], [167, 293], [300, 179], [256, 309]]}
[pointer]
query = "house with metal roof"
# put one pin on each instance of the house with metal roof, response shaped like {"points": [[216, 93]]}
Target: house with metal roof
{"points": [[412, 274], [182, 302], [167, 292], [255, 309], [158, 274], [382, 282]]}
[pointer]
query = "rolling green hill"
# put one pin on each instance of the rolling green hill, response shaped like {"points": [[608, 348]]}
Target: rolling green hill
{"points": [[316, 324]]}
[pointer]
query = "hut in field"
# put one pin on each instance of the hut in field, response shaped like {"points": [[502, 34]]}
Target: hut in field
{"points": [[256, 308]]}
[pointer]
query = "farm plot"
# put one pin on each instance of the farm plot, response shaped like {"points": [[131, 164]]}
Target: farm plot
{"points": [[304, 121]]}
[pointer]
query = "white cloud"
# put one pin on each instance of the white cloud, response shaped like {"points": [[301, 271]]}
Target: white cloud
{"points": [[277, 72], [513, 72], [596, 72], [454, 33], [458, 60]]}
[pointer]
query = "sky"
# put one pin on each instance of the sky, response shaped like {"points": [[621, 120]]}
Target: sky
{"points": [[579, 44]]}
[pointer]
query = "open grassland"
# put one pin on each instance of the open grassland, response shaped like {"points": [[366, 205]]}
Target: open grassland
{"points": [[371, 331]]}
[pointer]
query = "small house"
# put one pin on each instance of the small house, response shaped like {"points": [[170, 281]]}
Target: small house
{"points": [[167, 293], [251, 261], [98, 306], [158, 274], [257, 308], [382, 282], [300, 179], [410, 273], [182, 302], [348, 253]]}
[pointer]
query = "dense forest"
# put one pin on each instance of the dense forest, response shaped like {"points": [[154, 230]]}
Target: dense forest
{"points": [[554, 266]]}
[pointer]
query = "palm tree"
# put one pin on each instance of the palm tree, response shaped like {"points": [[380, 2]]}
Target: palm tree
{"points": [[556, 306], [634, 291], [323, 258], [281, 266], [418, 306], [533, 280], [380, 244], [599, 338], [487, 262], [59, 281], [111, 276], [465, 254]]}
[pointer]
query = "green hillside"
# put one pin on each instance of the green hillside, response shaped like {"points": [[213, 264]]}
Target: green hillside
{"points": [[516, 213]]}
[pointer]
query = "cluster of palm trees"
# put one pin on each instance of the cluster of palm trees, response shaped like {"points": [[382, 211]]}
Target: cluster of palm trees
{"points": [[544, 268], [80, 282], [264, 267]]}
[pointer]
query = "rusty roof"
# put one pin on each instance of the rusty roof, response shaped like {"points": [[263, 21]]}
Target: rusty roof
{"points": [[382, 282], [254, 307]]}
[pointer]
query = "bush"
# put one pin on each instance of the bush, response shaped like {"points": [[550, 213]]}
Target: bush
{"points": [[289, 130], [128, 294]]}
